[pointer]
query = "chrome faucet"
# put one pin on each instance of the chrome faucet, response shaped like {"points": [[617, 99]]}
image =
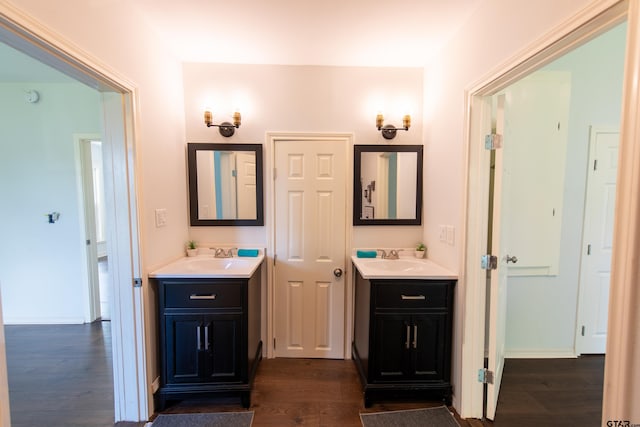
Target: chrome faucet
{"points": [[221, 253], [393, 254]]}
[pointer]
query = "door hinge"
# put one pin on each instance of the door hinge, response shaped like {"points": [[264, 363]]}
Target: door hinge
{"points": [[274, 343], [275, 257], [595, 164], [582, 331], [493, 141], [589, 249], [137, 282], [489, 262], [485, 376]]}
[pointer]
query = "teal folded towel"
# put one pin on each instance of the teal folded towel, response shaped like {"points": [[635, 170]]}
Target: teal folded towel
{"points": [[366, 254], [248, 252]]}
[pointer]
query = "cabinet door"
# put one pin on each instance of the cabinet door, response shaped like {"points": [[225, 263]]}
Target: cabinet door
{"points": [[183, 348], [223, 346], [428, 342], [391, 343]]}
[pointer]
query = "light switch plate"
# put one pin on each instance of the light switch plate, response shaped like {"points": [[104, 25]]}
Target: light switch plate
{"points": [[451, 235], [161, 217], [443, 232]]}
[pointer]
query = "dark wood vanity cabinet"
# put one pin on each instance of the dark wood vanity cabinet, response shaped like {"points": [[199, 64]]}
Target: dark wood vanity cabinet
{"points": [[209, 337], [402, 337]]}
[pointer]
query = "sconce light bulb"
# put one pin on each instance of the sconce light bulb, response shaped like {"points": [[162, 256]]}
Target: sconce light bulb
{"points": [[379, 120], [237, 119], [406, 121], [208, 118]]}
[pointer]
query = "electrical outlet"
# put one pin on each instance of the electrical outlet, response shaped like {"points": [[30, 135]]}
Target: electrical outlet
{"points": [[443, 233], [451, 235], [161, 217]]}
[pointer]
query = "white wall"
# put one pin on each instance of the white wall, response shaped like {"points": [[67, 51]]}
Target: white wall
{"points": [[42, 266], [302, 99], [541, 311]]}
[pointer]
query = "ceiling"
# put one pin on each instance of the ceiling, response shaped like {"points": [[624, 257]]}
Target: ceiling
{"points": [[397, 33]]}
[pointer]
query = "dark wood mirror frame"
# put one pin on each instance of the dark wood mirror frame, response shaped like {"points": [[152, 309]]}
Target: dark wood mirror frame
{"points": [[192, 149], [357, 184]]}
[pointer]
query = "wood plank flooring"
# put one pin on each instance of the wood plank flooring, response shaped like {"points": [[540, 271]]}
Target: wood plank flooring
{"points": [[61, 375]]}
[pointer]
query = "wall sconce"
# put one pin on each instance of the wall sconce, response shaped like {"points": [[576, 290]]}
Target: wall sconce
{"points": [[226, 129], [389, 131]]}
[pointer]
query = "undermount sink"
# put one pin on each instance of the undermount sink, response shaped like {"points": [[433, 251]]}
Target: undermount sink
{"points": [[199, 264], [208, 266], [398, 265], [403, 268]]}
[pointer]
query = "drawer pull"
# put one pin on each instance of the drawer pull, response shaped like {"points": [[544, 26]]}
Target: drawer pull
{"points": [[198, 338], [196, 296], [414, 297], [206, 338], [415, 336]]}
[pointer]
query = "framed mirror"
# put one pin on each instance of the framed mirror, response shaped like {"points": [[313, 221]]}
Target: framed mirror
{"points": [[387, 185], [225, 184]]}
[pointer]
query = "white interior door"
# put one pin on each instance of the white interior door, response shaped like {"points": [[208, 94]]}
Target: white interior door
{"points": [[91, 238], [498, 281], [597, 238], [310, 199], [246, 182]]}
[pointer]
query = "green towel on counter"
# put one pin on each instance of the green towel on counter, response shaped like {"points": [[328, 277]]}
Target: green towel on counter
{"points": [[248, 252], [366, 254]]}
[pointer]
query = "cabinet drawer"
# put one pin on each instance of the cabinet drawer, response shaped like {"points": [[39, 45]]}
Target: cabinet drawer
{"points": [[203, 295], [412, 296]]}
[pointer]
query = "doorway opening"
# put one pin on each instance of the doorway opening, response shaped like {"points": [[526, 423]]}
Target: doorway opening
{"points": [[518, 300], [115, 124]]}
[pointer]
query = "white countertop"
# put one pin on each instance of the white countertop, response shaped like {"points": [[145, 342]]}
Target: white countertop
{"points": [[402, 268], [206, 266]]}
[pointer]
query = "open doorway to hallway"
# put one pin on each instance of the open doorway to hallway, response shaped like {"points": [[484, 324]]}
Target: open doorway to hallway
{"points": [[547, 167], [45, 218]]}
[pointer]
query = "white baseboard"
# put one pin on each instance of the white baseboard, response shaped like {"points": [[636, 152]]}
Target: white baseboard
{"points": [[44, 320], [540, 354]]}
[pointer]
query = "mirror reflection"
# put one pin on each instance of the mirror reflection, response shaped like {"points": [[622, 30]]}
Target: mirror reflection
{"points": [[388, 184], [225, 184]]}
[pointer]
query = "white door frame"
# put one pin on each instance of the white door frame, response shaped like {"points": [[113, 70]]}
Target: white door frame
{"points": [[133, 401], [594, 19], [272, 138]]}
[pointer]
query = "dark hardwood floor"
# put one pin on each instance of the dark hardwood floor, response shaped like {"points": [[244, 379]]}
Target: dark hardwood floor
{"points": [[61, 375]]}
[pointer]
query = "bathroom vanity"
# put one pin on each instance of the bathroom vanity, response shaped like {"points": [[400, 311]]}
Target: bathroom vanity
{"points": [[209, 327], [402, 328]]}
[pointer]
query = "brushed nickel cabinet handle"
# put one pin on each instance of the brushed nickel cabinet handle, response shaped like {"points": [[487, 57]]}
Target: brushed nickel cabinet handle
{"points": [[198, 338], [413, 297], [196, 296], [206, 337], [415, 336], [406, 344]]}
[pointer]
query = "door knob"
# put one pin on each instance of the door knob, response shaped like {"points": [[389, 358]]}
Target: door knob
{"points": [[337, 272], [512, 259]]}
